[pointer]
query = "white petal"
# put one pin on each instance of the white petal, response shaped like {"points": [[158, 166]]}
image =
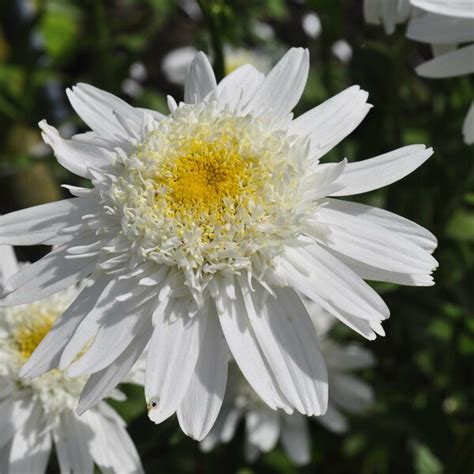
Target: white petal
{"points": [[72, 438], [97, 107], [172, 357], [455, 63], [104, 310], [224, 428], [48, 353], [40, 224], [53, 273], [350, 357], [29, 457], [263, 428], [436, 29], [368, 242], [288, 341], [334, 420], [458, 8], [331, 280], [351, 393], [74, 155], [296, 439], [331, 122], [377, 172], [112, 338], [8, 264], [101, 384], [409, 230], [245, 349], [201, 404], [468, 127], [200, 79], [369, 272], [239, 86], [281, 90], [111, 447], [9, 422]]}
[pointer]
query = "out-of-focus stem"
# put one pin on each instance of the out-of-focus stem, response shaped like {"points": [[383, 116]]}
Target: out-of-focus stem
{"points": [[211, 15]]}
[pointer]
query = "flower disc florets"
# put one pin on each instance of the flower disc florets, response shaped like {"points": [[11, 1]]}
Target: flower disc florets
{"points": [[207, 190], [22, 329]]}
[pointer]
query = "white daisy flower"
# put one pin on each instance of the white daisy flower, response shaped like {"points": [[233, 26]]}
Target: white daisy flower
{"points": [[445, 25], [389, 13], [200, 228], [265, 427], [37, 413], [176, 63]]}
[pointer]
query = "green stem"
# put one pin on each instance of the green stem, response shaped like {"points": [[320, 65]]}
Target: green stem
{"points": [[216, 38]]}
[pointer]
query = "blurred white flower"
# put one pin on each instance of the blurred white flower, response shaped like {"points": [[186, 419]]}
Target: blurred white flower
{"points": [[342, 50], [37, 413], [311, 25], [200, 232], [468, 128], [176, 63], [386, 12], [445, 25], [264, 427]]}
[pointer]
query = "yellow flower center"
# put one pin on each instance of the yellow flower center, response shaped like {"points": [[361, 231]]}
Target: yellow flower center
{"points": [[30, 333], [203, 177]]}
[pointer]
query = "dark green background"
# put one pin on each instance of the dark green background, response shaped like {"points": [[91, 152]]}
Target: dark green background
{"points": [[422, 421]]}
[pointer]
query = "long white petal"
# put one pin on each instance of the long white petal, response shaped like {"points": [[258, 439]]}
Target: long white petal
{"points": [[334, 420], [453, 64], [407, 229], [239, 86], [335, 283], [74, 155], [53, 273], [263, 428], [203, 399], [371, 273], [200, 79], [28, 457], [40, 224], [97, 108], [436, 29], [457, 8], [100, 384], [103, 311], [288, 341], [351, 393], [112, 338], [377, 172], [468, 127], [72, 438], [331, 122], [245, 349], [111, 447], [172, 357], [295, 438], [281, 90], [48, 353], [368, 242], [8, 264]]}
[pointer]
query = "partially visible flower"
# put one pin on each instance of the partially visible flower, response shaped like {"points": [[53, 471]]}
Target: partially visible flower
{"points": [[445, 25], [176, 63], [200, 233], [264, 427], [386, 12], [37, 413], [342, 50], [311, 25]]}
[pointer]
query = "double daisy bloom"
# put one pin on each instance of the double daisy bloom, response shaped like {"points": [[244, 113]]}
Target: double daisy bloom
{"points": [[200, 236]]}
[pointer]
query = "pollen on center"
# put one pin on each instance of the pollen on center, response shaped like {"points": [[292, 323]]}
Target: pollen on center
{"points": [[206, 176], [29, 334]]}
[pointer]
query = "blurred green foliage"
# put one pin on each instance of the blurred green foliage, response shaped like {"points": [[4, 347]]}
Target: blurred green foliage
{"points": [[423, 419]]}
